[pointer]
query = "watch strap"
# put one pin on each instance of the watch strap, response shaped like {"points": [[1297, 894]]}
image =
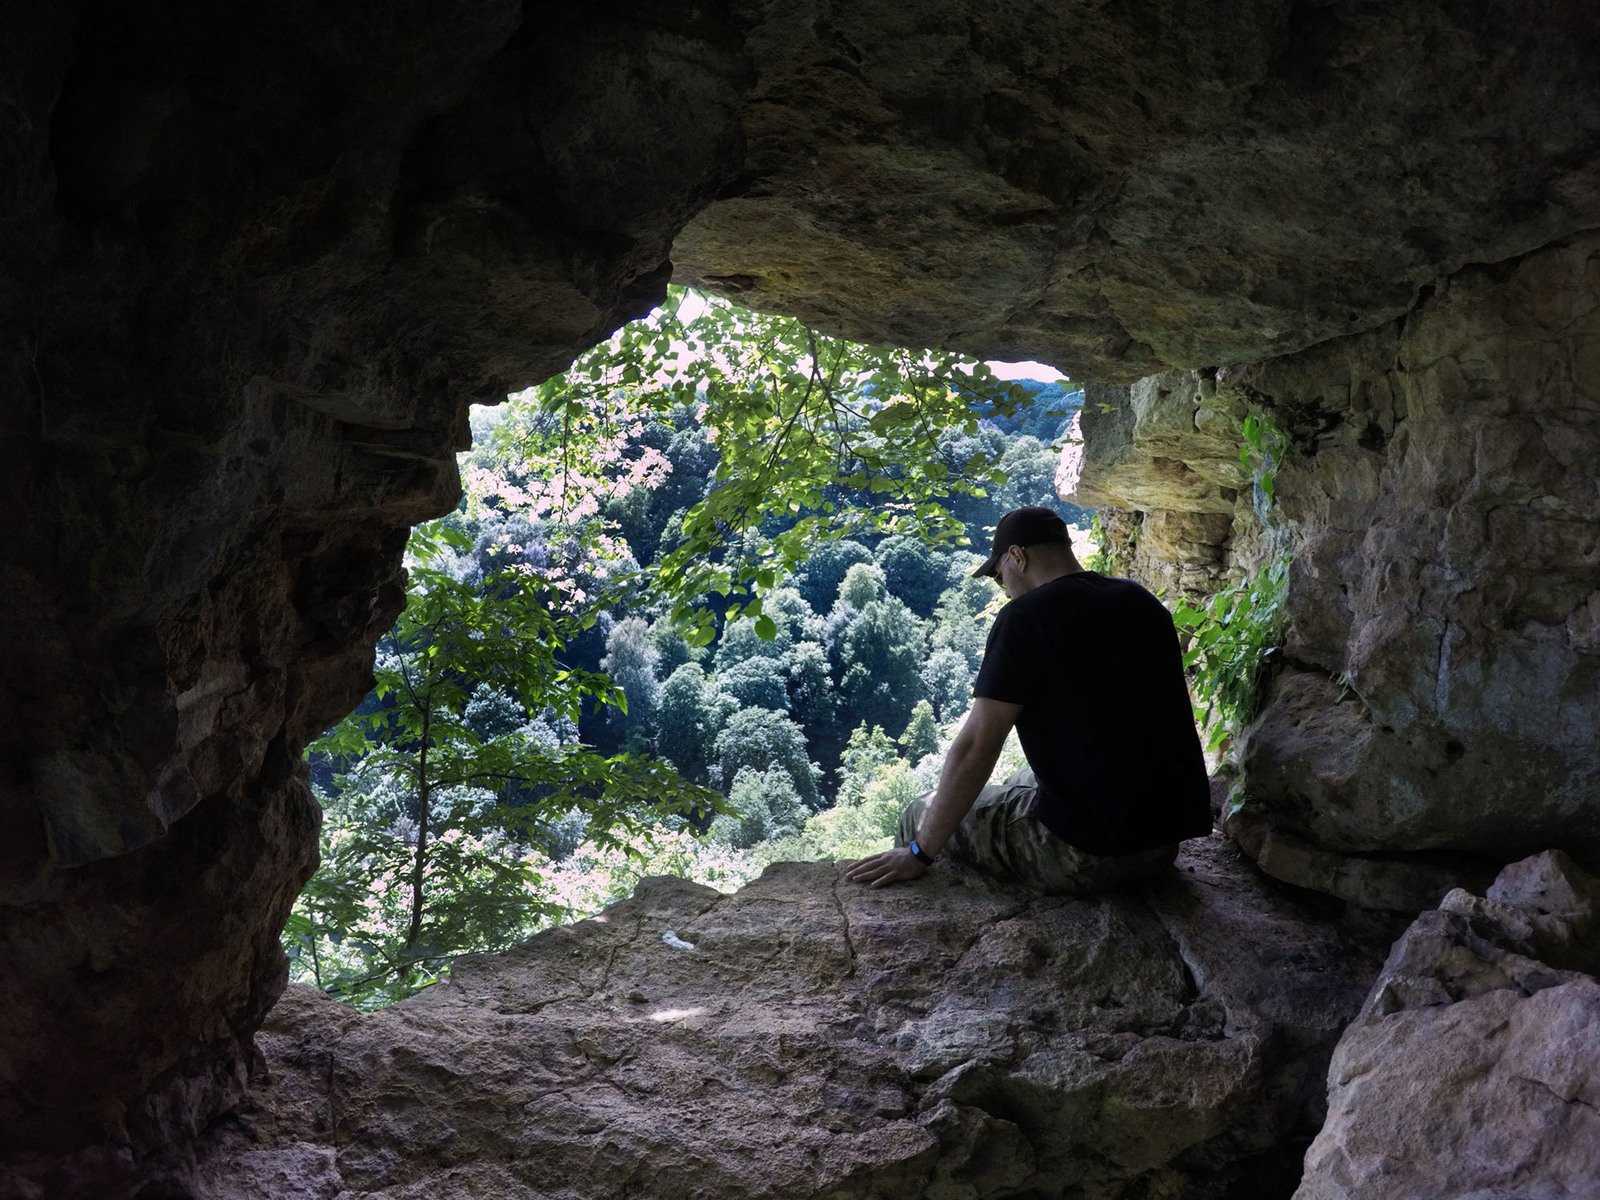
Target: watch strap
{"points": [[918, 853]]}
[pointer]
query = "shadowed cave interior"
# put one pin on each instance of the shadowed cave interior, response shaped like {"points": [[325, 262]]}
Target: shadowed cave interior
{"points": [[258, 263]]}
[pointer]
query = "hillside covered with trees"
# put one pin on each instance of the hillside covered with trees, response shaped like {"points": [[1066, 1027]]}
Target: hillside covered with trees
{"points": [[706, 604]]}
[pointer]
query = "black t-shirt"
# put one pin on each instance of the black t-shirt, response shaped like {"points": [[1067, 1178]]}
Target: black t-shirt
{"points": [[1105, 722]]}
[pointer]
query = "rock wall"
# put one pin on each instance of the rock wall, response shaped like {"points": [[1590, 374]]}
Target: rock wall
{"points": [[1439, 687], [256, 264], [1160, 463], [1445, 686], [808, 1037]]}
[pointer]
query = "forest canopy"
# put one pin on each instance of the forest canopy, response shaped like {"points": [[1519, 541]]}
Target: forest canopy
{"points": [[706, 604]]}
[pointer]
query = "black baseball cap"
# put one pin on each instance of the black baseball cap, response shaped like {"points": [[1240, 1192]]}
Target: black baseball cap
{"points": [[1031, 526]]}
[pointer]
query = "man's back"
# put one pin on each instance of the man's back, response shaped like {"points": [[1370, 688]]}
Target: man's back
{"points": [[1106, 722]]}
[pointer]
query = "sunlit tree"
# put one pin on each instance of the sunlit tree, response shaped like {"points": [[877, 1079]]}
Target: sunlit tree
{"points": [[447, 784], [867, 750], [630, 662], [881, 653], [763, 805], [755, 682], [762, 738], [684, 723], [863, 583], [947, 680], [824, 571], [921, 736]]}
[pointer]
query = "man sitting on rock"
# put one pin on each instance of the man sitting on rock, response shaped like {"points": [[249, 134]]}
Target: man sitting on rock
{"points": [[1089, 671]]}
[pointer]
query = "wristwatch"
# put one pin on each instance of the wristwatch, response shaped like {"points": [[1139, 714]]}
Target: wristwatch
{"points": [[921, 855]]}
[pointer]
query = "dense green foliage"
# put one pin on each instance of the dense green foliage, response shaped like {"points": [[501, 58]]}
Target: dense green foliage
{"points": [[1231, 636], [705, 605], [452, 772], [744, 443], [1265, 444]]}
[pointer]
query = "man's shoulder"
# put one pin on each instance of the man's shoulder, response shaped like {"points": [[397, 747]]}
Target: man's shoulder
{"points": [[1083, 587], [1087, 596], [1091, 586]]}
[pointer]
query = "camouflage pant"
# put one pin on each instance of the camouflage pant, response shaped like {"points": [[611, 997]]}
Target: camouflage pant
{"points": [[1000, 835]]}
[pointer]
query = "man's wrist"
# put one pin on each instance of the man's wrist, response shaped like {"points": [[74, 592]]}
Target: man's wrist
{"points": [[921, 855]]}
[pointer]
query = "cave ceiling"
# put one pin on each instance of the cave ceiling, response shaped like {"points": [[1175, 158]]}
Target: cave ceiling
{"points": [[1121, 188], [472, 192]]}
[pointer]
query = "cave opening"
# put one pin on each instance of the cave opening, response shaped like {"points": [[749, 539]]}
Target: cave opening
{"points": [[256, 268], [704, 605]]}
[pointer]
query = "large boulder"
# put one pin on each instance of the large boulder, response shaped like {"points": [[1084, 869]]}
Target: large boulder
{"points": [[1474, 1068], [807, 1036]]}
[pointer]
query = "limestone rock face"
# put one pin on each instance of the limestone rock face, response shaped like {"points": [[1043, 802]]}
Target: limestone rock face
{"points": [[1439, 690], [1474, 1069], [1133, 183], [1445, 687], [955, 1039], [1160, 461], [255, 265]]}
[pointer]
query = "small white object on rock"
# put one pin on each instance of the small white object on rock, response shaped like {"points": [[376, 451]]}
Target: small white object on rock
{"points": [[677, 943]]}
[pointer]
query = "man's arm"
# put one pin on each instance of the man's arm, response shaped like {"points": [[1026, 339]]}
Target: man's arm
{"points": [[966, 769]]}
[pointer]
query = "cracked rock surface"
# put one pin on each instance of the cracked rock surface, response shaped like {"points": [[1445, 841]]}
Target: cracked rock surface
{"points": [[809, 1037]]}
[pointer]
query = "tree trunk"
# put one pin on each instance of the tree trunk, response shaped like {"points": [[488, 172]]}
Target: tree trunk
{"points": [[420, 860]]}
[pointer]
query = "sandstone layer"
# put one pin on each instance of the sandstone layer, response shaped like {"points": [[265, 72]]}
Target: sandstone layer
{"points": [[810, 1037]]}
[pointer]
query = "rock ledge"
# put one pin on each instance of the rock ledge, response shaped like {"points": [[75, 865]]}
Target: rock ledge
{"points": [[807, 1037]]}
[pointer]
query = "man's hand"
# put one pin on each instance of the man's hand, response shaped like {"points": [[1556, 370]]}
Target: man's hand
{"points": [[972, 756], [889, 867]]}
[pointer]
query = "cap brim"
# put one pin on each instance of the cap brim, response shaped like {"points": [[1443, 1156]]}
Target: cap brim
{"points": [[987, 567]]}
